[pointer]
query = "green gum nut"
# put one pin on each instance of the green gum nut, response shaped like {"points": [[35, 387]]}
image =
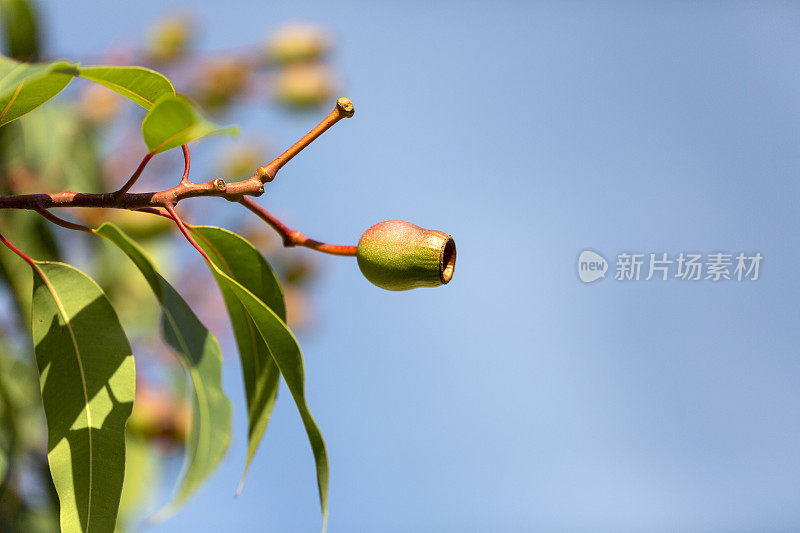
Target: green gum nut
{"points": [[396, 255]]}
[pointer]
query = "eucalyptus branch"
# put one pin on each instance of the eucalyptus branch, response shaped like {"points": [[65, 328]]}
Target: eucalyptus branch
{"points": [[121, 199], [217, 187]]}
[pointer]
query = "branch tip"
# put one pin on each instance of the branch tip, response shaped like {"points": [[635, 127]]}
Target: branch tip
{"points": [[345, 107]]}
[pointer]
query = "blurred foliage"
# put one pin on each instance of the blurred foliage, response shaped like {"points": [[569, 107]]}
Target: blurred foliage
{"points": [[20, 29], [82, 142]]}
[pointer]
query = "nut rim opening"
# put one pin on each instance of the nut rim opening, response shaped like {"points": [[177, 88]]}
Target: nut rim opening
{"points": [[447, 261]]}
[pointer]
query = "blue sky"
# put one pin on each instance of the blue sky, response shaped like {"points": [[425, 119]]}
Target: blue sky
{"points": [[518, 398]]}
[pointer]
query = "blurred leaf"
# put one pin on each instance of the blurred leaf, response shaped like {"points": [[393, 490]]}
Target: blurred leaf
{"points": [[59, 150], [139, 475], [21, 29], [20, 407], [287, 356], [199, 350], [139, 84], [8, 431], [174, 121], [87, 378], [26, 86], [242, 262]]}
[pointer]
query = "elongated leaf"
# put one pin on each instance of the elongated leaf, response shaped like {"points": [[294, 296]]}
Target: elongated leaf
{"points": [[174, 121], [200, 352], [26, 86], [288, 357], [142, 85], [87, 378], [242, 262]]}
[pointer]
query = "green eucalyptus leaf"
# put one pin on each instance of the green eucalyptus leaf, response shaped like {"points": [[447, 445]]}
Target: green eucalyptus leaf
{"points": [[200, 352], [87, 378], [242, 262], [26, 86], [139, 84], [289, 359], [21, 29], [174, 121]]}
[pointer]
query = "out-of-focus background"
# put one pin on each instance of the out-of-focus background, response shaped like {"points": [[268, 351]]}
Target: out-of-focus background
{"points": [[518, 398]]}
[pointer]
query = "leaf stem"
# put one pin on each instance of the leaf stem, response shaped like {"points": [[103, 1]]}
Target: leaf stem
{"points": [[17, 251], [60, 221], [171, 210], [293, 237], [138, 172], [155, 212], [186, 163]]}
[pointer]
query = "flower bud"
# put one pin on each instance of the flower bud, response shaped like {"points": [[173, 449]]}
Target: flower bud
{"points": [[397, 256], [170, 38], [297, 43], [159, 415], [304, 86]]}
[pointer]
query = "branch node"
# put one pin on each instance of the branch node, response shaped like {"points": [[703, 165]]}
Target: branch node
{"points": [[220, 184], [262, 174]]}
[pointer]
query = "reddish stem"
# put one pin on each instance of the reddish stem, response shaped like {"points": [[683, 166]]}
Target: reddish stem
{"points": [[60, 221], [155, 212], [292, 237], [186, 163], [146, 159], [186, 233], [17, 251]]}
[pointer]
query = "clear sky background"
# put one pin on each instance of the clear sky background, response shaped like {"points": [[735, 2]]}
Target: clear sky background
{"points": [[518, 398]]}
